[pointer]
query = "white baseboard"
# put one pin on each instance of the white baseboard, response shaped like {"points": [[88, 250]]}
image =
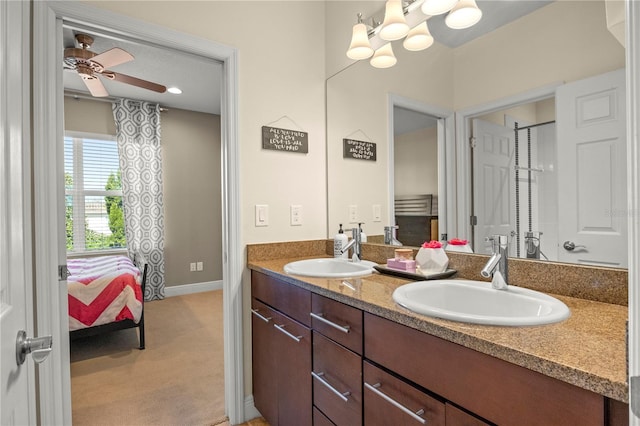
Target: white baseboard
{"points": [[179, 290], [250, 410]]}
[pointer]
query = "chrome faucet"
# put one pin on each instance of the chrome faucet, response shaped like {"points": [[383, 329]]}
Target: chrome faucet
{"points": [[498, 262], [390, 236], [356, 244]]}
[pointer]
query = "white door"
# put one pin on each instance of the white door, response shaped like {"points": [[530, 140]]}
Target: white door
{"points": [[592, 188], [493, 182], [17, 406]]}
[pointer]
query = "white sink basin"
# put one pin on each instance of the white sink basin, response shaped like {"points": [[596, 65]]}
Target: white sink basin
{"points": [[477, 302], [329, 268]]}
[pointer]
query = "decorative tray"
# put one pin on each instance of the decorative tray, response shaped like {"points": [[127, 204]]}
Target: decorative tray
{"points": [[414, 275]]}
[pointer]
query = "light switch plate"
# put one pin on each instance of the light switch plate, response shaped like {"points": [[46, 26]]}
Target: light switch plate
{"points": [[353, 213], [377, 213], [192, 267], [262, 215]]}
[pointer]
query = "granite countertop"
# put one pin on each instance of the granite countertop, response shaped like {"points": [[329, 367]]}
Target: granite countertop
{"points": [[587, 350]]}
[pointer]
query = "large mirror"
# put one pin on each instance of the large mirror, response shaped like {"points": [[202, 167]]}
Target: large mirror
{"points": [[508, 75]]}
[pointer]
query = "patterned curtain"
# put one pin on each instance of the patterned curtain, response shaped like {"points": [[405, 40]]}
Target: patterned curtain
{"points": [[138, 135]]}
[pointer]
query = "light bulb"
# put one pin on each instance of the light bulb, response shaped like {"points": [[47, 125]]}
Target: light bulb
{"points": [[384, 57], [419, 38], [464, 15], [394, 26], [437, 7], [360, 47]]}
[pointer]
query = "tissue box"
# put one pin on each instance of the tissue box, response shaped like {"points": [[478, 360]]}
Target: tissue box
{"points": [[403, 265]]}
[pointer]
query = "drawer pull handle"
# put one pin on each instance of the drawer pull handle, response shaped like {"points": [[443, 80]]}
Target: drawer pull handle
{"points": [[281, 328], [320, 317], [416, 415], [341, 395], [259, 315]]}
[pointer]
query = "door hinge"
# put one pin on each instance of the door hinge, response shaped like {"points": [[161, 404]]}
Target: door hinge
{"points": [[473, 220], [63, 272], [472, 142]]}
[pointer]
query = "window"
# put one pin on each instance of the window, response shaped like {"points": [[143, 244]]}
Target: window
{"points": [[94, 217]]}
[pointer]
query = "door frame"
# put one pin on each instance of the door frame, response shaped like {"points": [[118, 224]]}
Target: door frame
{"points": [[463, 148], [446, 175], [48, 125]]}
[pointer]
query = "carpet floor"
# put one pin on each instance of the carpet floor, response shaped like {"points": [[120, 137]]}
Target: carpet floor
{"points": [[177, 380]]}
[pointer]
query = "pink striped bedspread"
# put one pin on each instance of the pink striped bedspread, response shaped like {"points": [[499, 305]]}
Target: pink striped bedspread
{"points": [[103, 290]]}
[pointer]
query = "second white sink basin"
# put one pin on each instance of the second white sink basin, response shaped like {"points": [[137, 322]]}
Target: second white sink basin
{"points": [[329, 268], [477, 302]]}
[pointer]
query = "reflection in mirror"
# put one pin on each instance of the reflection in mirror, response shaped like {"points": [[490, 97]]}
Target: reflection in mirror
{"points": [[415, 176], [557, 44]]}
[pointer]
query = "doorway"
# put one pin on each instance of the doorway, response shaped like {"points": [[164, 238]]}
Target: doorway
{"points": [[48, 199]]}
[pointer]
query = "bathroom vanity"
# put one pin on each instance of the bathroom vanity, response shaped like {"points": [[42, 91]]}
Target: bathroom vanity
{"points": [[342, 352]]}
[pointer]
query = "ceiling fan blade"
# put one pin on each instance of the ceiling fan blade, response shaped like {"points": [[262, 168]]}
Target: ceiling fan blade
{"points": [[113, 57], [96, 87], [123, 78]]}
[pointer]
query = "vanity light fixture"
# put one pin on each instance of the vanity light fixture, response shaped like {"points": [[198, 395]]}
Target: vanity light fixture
{"points": [[394, 26], [174, 90], [406, 18], [360, 47], [419, 38], [384, 57], [463, 15]]}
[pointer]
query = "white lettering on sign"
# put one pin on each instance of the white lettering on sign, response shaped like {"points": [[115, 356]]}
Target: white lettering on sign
{"points": [[359, 150], [284, 140]]}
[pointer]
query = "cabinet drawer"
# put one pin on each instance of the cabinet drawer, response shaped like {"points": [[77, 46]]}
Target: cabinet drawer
{"points": [[339, 322], [287, 298], [480, 383], [390, 401], [320, 419], [457, 417], [337, 381]]}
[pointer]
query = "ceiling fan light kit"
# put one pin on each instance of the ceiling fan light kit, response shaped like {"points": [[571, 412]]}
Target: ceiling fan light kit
{"points": [[461, 14], [90, 65]]}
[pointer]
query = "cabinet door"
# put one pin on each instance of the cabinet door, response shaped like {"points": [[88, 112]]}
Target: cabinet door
{"points": [[320, 419], [390, 401], [337, 381], [264, 372], [293, 343], [293, 301], [337, 321]]}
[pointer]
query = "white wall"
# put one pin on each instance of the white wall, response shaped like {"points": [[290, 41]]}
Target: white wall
{"points": [[416, 162]]}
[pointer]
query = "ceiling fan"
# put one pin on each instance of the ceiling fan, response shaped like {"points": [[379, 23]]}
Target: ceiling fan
{"points": [[90, 65]]}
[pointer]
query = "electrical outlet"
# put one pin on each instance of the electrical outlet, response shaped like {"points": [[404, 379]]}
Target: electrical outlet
{"points": [[353, 213], [296, 215], [199, 266], [192, 267]]}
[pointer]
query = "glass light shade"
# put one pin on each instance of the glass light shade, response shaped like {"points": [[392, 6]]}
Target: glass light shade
{"points": [[360, 47], [394, 26], [437, 7], [419, 38], [384, 57], [464, 15]]}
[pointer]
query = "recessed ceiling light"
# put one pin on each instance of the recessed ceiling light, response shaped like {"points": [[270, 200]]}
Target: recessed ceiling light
{"points": [[174, 90]]}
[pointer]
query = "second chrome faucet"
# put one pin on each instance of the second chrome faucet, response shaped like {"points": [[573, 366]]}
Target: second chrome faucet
{"points": [[497, 267]]}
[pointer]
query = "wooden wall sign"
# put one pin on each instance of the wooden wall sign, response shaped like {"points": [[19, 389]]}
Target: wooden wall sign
{"points": [[359, 150], [285, 140]]}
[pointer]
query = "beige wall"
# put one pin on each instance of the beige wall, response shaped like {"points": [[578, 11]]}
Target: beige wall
{"points": [[192, 195], [191, 174], [416, 162]]}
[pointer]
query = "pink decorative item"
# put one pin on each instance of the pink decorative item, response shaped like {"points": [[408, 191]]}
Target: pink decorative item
{"points": [[458, 245], [402, 265]]}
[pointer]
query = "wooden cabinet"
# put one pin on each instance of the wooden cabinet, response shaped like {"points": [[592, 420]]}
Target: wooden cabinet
{"points": [[337, 321], [281, 349], [391, 401], [496, 390], [457, 417]]}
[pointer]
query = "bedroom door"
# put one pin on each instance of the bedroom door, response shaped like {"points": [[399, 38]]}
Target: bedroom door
{"points": [[17, 396]]}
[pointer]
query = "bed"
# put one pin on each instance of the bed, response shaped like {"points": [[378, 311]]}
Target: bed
{"points": [[106, 293]]}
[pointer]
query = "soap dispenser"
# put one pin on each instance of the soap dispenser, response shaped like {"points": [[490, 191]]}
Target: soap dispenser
{"points": [[363, 236], [339, 243]]}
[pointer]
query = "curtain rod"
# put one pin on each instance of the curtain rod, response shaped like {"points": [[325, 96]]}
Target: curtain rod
{"points": [[110, 99]]}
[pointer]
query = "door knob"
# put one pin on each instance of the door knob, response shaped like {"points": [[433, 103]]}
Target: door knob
{"points": [[570, 246], [38, 347]]}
